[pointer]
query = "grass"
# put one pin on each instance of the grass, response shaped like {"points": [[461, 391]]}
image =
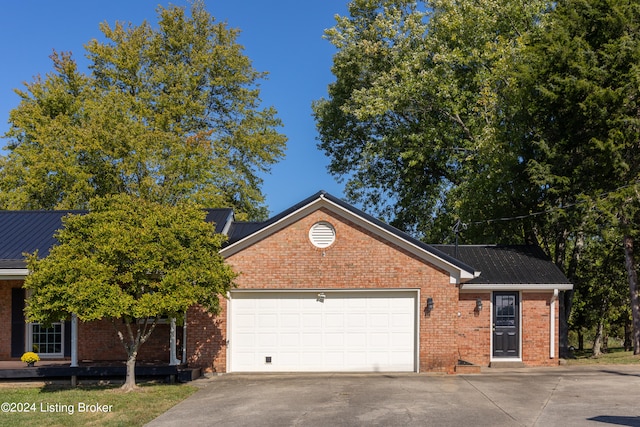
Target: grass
{"points": [[614, 356], [52, 405]]}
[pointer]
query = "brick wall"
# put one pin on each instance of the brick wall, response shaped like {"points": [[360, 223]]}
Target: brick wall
{"points": [[98, 341], [357, 260], [474, 328], [535, 326], [5, 316]]}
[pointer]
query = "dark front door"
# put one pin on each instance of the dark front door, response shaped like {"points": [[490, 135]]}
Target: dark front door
{"points": [[506, 324]]}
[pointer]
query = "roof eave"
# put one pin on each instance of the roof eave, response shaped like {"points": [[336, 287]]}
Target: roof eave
{"points": [[516, 286], [13, 273]]}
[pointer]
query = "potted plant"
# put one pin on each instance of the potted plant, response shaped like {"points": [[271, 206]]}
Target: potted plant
{"points": [[30, 358]]}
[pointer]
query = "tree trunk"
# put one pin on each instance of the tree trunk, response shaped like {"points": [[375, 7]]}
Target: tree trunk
{"points": [[597, 340], [633, 291], [580, 340], [130, 381]]}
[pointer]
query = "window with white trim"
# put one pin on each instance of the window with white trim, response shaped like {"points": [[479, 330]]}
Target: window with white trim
{"points": [[46, 342]]}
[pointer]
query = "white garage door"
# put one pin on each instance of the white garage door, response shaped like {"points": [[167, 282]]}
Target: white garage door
{"points": [[322, 331]]}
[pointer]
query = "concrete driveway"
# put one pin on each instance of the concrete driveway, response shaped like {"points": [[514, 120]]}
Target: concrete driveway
{"points": [[562, 396]]}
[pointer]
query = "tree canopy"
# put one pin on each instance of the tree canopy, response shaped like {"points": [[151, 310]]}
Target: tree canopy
{"points": [[130, 260], [520, 120], [166, 114]]}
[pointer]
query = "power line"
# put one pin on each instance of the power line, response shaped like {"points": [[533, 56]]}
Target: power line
{"points": [[601, 196]]}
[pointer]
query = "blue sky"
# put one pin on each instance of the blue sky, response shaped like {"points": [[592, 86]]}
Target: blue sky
{"points": [[282, 37]]}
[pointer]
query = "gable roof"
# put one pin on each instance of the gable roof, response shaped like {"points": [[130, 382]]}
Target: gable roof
{"points": [[509, 266], [243, 235]]}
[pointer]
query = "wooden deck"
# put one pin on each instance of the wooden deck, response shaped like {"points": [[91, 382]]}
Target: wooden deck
{"points": [[53, 369]]}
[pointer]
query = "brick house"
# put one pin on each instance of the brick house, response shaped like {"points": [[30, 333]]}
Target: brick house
{"points": [[323, 287]]}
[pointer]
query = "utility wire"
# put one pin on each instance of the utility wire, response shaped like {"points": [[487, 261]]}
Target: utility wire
{"points": [[601, 196]]}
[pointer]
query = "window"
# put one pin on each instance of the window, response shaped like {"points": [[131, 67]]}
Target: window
{"points": [[47, 342]]}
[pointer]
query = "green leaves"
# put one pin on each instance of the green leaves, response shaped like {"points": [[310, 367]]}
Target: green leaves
{"points": [[413, 118], [167, 114], [131, 258]]}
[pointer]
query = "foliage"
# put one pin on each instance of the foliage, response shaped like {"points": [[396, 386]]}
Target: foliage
{"points": [[521, 120], [30, 357], [576, 107], [412, 113], [129, 259], [166, 114], [601, 289]]}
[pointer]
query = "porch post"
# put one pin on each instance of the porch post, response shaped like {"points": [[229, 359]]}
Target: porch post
{"points": [[184, 339], [173, 360], [74, 340]]}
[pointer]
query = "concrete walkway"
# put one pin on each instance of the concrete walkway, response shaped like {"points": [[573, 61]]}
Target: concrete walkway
{"points": [[562, 396]]}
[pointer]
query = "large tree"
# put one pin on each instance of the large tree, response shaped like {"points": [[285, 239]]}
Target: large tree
{"points": [[130, 261], [165, 113], [412, 114], [519, 119], [575, 110]]}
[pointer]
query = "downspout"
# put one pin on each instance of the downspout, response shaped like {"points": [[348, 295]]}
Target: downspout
{"points": [[552, 325]]}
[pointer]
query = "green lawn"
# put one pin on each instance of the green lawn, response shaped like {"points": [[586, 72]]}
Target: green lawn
{"points": [[615, 356], [87, 405]]}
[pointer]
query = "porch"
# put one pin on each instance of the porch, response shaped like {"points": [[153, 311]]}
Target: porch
{"points": [[94, 370]]}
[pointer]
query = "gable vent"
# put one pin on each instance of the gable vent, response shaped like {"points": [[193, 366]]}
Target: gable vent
{"points": [[322, 234]]}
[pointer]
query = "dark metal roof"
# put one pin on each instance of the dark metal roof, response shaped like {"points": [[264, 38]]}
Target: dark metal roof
{"points": [[221, 217], [25, 232], [508, 264], [240, 230]]}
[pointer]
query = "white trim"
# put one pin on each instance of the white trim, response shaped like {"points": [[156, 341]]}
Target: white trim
{"points": [[523, 287], [13, 273], [456, 274]]}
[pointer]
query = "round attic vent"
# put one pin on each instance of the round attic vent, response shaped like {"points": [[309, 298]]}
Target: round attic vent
{"points": [[322, 234]]}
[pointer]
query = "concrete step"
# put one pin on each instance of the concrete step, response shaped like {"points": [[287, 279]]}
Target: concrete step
{"points": [[507, 364]]}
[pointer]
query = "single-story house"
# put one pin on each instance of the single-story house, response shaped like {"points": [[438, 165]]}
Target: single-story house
{"points": [[323, 286]]}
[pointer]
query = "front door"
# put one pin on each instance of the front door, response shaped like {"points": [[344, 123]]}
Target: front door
{"points": [[506, 324]]}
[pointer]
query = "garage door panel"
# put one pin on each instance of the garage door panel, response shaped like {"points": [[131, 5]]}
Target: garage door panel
{"points": [[334, 320], [356, 320], [348, 331]]}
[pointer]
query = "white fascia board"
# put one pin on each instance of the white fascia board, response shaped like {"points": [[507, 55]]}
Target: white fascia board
{"points": [[13, 273], [456, 274], [470, 287]]}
